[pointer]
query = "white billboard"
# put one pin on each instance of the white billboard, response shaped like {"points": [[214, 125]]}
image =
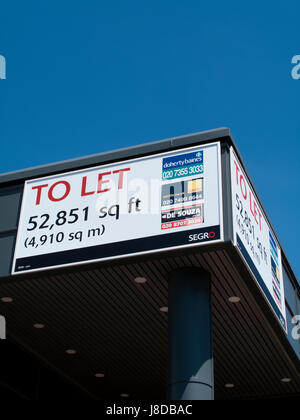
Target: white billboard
{"points": [[143, 205], [256, 241]]}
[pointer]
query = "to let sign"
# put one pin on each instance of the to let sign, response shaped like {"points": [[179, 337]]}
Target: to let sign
{"points": [[143, 205], [256, 241]]}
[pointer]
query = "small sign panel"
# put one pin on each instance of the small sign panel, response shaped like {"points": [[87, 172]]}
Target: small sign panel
{"points": [[256, 241], [164, 201]]}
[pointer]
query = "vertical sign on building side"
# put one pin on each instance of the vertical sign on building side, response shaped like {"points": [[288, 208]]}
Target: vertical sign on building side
{"points": [[256, 241]]}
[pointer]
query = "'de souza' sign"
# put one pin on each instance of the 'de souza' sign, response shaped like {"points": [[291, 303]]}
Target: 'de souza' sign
{"points": [[160, 202], [256, 241]]}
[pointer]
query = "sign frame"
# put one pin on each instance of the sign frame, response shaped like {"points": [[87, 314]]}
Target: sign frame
{"points": [[280, 314], [173, 152]]}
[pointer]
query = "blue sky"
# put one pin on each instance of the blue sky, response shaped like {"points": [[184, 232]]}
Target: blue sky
{"points": [[84, 77]]}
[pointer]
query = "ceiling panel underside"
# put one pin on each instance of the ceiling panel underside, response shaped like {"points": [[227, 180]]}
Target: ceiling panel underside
{"points": [[117, 328]]}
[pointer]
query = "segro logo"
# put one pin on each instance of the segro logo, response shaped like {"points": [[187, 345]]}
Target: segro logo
{"points": [[197, 237]]}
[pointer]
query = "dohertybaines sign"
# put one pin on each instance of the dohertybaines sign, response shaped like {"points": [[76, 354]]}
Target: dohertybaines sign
{"points": [[142, 205]]}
